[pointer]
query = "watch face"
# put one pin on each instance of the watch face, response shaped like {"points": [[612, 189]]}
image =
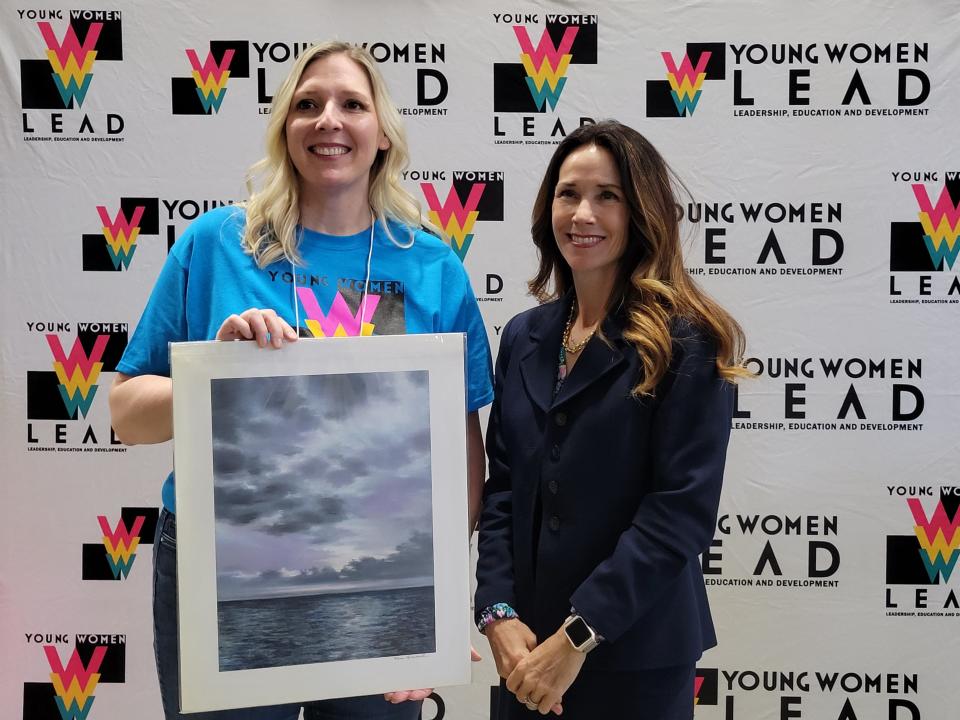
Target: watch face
{"points": [[578, 632]]}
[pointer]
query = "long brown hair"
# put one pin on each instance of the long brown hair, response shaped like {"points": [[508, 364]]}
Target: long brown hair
{"points": [[652, 283]]}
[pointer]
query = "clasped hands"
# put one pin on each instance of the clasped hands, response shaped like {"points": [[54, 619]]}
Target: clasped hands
{"points": [[538, 675]]}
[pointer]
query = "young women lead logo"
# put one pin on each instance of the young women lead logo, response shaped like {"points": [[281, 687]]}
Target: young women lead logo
{"points": [[347, 307], [921, 565], [70, 694], [62, 80], [113, 247], [472, 195], [928, 247], [679, 94], [535, 85], [203, 92], [64, 392], [112, 558]]}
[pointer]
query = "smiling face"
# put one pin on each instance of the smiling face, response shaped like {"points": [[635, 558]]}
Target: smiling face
{"points": [[333, 134], [590, 215]]}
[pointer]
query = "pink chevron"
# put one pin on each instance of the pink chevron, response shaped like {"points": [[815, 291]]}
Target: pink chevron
{"points": [[75, 668], [121, 533], [452, 205], [686, 69], [943, 208], [210, 67], [339, 312], [77, 355], [545, 47], [939, 522], [697, 684], [70, 46], [121, 222]]}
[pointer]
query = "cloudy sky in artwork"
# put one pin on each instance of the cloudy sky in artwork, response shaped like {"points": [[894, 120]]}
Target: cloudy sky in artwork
{"points": [[321, 483]]}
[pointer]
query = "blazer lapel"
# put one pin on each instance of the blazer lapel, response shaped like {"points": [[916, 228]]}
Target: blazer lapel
{"points": [[598, 359], [538, 367]]}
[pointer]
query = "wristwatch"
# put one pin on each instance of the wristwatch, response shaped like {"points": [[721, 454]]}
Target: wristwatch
{"points": [[582, 637]]}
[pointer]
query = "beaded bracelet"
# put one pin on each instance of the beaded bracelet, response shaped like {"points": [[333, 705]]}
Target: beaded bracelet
{"points": [[499, 611]]}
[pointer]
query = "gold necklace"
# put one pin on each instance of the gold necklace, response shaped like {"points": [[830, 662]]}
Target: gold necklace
{"points": [[572, 349]]}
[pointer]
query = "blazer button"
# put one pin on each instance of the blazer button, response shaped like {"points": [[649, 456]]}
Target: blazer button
{"points": [[552, 486], [555, 452], [560, 419], [554, 523]]}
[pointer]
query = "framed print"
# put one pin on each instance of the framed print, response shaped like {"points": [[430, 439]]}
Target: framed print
{"points": [[321, 518]]}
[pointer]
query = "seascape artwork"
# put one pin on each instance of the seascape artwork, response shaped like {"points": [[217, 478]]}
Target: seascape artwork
{"points": [[323, 518]]}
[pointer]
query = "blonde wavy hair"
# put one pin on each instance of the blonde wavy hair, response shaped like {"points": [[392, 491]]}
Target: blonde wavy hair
{"points": [[273, 209], [652, 285]]}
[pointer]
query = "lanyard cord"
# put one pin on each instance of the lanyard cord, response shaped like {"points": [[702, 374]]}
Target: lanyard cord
{"points": [[366, 282]]}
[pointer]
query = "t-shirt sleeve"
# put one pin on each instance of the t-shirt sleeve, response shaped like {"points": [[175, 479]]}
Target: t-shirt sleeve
{"points": [[461, 314], [163, 321]]}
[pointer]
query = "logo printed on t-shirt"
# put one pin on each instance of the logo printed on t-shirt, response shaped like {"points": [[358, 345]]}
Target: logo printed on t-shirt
{"points": [[339, 320], [341, 314]]}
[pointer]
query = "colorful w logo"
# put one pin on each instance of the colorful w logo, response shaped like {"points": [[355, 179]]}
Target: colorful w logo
{"points": [[697, 684], [939, 538], [545, 65], [686, 81], [121, 544], [74, 685], [340, 321], [941, 226], [454, 217], [77, 373], [211, 78], [121, 234], [71, 61]]}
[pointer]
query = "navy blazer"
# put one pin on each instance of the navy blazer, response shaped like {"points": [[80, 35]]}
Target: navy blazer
{"points": [[627, 490]]}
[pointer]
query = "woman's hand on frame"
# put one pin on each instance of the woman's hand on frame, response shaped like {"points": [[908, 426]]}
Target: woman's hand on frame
{"points": [[403, 695], [262, 325]]}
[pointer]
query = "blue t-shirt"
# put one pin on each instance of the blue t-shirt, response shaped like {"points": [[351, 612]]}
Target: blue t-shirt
{"points": [[208, 276]]}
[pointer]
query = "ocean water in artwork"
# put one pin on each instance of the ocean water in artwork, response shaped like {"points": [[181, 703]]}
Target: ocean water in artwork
{"points": [[282, 631]]}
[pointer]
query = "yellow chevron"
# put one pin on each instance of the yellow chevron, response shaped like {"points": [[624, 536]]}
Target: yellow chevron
{"points": [[121, 550], [452, 228], [120, 240], [546, 72], [939, 545], [314, 327], [211, 85], [942, 232], [435, 217], [685, 88], [77, 380], [72, 69], [460, 234], [74, 693]]}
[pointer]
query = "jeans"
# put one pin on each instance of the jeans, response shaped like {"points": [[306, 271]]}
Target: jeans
{"points": [[372, 707]]}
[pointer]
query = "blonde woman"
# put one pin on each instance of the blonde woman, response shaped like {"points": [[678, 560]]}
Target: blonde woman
{"points": [[328, 243], [606, 444]]}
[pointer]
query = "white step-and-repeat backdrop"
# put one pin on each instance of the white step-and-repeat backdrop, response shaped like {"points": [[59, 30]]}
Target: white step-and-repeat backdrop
{"points": [[819, 141]]}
